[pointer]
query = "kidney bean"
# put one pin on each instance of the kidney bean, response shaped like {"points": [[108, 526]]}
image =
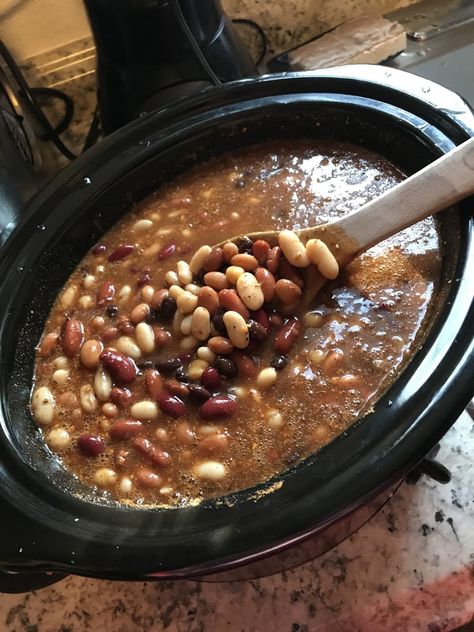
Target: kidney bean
{"points": [[139, 313], [90, 445], [72, 336], [213, 260], [171, 405], [167, 308], [218, 321], [261, 316], [287, 291], [175, 387], [184, 433], [199, 392], [260, 250], [99, 249], [218, 407], [279, 362], [122, 369], [219, 344], [245, 364], [154, 383], [143, 279], [208, 298], [125, 428], [257, 332], [109, 334], [121, 397], [210, 378], [168, 365], [166, 252], [162, 336], [230, 300], [286, 336], [217, 280], [90, 353], [149, 479], [267, 283], [155, 454], [125, 326], [229, 250], [287, 271], [214, 443], [47, 344], [121, 252], [105, 293], [226, 366], [245, 244], [158, 297], [273, 259]]}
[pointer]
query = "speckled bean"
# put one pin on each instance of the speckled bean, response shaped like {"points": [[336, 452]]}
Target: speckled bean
{"points": [[201, 323], [250, 291], [42, 406], [237, 329]]}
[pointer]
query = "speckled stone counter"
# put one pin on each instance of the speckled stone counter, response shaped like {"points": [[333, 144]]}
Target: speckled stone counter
{"points": [[411, 567]]}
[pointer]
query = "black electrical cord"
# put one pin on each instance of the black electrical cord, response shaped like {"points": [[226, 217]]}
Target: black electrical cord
{"points": [[260, 31], [53, 93]]}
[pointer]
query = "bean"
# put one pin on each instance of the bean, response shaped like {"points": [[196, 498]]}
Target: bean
{"points": [[274, 419], [214, 444], [266, 378], [156, 455], [286, 336], [61, 362], [257, 332], [67, 400], [316, 357], [213, 260], [287, 291], [121, 252], [201, 323], [175, 291], [279, 362], [245, 245], [217, 280], [313, 320], [237, 329], [98, 249], [275, 319], [58, 439], [196, 369], [148, 479], [158, 298], [102, 384], [166, 252], [88, 281], [185, 275], [204, 353], [187, 302], [210, 471], [332, 361], [246, 261], [142, 226], [210, 378], [322, 257], [105, 293], [121, 368], [208, 298], [230, 300], [260, 250], [168, 365], [250, 291], [68, 297], [218, 322], [97, 323], [229, 250], [86, 301], [126, 428], [171, 278], [244, 363], [267, 283], [218, 407], [287, 271], [184, 434], [90, 353], [193, 288], [162, 336], [105, 477], [47, 344], [128, 347], [220, 345], [273, 259], [90, 445], [72, 336], [175, 387], [293, 248], [233, 272], [144, 409], [197, 260], [125, 485], [199, 392], [226, 366], [87, 398], [188, 343], [139, 313], [145, 337], [60, 377], [185, 325], [124, 325], [171, 405], [167, 308], [109, 409]]}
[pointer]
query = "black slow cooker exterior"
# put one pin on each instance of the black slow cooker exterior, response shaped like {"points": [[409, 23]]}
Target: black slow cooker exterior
{"points": [[52, 523]]}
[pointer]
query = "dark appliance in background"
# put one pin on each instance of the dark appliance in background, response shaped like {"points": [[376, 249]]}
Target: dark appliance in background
{"points": [[151, 53]]}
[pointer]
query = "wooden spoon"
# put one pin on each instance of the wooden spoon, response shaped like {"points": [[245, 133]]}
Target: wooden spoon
{"points": [[445, 181]]}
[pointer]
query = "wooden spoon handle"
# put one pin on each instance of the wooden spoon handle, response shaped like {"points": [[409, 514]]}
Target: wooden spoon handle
{"points": [[442, 183]]}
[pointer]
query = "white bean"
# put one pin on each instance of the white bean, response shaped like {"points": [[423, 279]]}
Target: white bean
{"points": [[124, 292], [193, 288], [89, 281], [187, 302], [127, 346], [233, 273], [145, 337], [105, 477], [274, 419], [211, 471], [58, 438], [198, 258], [250, 291], [323, 258], [267, 377], [201, 323], [175, 291], [185, 275], [142, 226], [204, 353], [69, 297], [293, 249], [42, 406], [237, 329], [87, 398], [177, 322], [144, 410], [171, 278], [102, 384], [125, 484], [188, 343], [186, 325], [60, 377], [60, 362], [86, 301], [196, 369]]}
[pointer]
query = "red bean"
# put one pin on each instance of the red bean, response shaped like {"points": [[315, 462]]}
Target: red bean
{"points": [[121, 368], [90, 445], [267, 283], [105, 293], [260, 250], [149, 479], [286, 336], [174, 387], [287, 271], [153, 453], [273, 259], [171, 404], [287, 291], [245, 364], [109, 334], [184, 433], [261, 316], [126, 428], [230, 300], [166, 252], [154, 383], [162, 336], [208, 298], [218, 407], [213, 260], [121, 397], [210, 378], [121, 252], [72, 336], [99, 249]]}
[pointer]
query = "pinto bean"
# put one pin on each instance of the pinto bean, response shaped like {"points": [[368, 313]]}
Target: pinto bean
{"points": [[158, 297], [139, 313], [220, 345], [90, 353], [287, 291], [184, 433], [208, 298], [217, 280], [230, 300], [229, 250], [245, 261], [214, 443], [286, 336], [47, 344], [273, 259], [175, 387], [154, 383], [267, 283], [148, 478], [72, 336]]}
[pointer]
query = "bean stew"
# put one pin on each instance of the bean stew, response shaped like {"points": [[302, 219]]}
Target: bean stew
{"points": [[171, 371]]}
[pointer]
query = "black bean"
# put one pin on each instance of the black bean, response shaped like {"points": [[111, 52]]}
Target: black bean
{"points": [[167, 308], [226, 366], [245, 245], [279, 362], [199, 392], [112, 311], [218, 322], [257, 332], [181, 374], [144, 364], [169, 365], [151, 317]]}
